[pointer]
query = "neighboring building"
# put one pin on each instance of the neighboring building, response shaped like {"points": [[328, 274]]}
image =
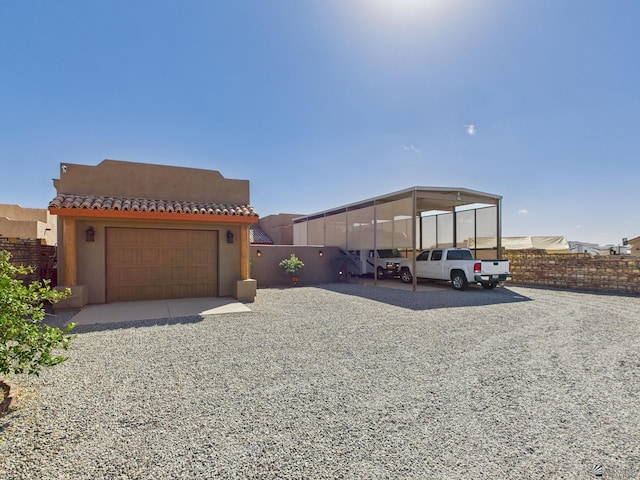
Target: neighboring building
{"points": [[132, 231], [28, 223], [634, 246], [279, 228], [29, 235]]}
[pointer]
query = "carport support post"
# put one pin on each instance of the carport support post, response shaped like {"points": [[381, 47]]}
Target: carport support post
{"points": [[375, 243], [414, 247], [499, 228], [455, 228]]}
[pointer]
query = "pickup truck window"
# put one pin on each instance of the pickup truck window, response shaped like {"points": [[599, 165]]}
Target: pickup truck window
{"points": [[459, 255], [423, 256], [436, 255], [389, 253]]}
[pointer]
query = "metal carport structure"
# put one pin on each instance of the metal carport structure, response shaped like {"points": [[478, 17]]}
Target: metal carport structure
{"points": [[412, 219]]}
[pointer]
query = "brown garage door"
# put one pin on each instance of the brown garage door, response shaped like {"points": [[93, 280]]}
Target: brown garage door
{"points": [[154, 264]]}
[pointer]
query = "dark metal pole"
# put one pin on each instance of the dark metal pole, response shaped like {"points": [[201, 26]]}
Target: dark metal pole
{"points": [[413, 239], [499, 232]]}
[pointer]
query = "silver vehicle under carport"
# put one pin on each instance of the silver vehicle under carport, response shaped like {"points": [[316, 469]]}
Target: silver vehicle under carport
{"points": [[384, 262]]}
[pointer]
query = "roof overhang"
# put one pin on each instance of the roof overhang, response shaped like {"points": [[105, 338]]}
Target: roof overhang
{"points": [[157, 216], [141, 209]]}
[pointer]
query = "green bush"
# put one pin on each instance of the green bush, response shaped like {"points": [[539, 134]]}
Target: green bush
{"points": [[26, 343], [292, 265]]}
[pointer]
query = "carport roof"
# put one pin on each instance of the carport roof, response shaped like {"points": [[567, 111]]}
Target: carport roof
{"points": [[427, 199], [94, 205]]}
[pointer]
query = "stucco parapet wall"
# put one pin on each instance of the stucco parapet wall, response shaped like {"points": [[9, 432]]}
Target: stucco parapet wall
{"points": [[123, 204], [118, 178]]}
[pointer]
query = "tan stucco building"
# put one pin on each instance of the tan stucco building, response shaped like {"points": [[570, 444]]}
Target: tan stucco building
{"points": [[132, 231], [279, 228], [634, 246], [31, 223]]}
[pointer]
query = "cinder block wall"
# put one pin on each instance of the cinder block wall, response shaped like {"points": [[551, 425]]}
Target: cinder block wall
{"points": [[28, 252], [581, 271]]}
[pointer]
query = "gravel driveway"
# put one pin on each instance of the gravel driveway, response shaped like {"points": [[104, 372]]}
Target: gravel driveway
{"points": [[345, 381]]}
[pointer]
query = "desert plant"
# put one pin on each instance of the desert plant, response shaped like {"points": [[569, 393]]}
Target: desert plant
{"points": [[26, 343], [292, 265]]}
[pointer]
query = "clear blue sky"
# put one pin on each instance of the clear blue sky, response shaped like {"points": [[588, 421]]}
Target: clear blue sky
{"points": [[321, 103]]}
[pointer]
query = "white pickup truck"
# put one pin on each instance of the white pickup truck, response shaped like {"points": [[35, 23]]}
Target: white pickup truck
{"points": [[456, 265]]}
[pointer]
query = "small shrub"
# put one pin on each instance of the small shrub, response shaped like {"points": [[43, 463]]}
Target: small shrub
{"points": [[292, 265], [26, 343]]}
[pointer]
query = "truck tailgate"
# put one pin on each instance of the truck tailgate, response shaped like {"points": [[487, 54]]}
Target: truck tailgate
{"points": [[495, 267]]}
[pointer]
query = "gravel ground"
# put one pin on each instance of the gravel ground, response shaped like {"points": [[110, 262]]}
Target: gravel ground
{"points": [[345, 381]]}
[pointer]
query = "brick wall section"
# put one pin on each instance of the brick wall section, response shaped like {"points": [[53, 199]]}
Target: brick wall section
{"points": [[32, 253], [580, 271]]}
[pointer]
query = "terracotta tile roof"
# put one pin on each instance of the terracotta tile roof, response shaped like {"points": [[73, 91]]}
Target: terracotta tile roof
{"points": [[258, 236], [96, 202]]}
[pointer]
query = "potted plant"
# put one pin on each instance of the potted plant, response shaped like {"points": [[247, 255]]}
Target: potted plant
{"points": [[292, 266]]}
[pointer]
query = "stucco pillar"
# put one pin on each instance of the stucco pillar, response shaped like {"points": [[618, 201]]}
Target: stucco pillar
{"points": [[69, 259], [244, 252], [245, 287]]}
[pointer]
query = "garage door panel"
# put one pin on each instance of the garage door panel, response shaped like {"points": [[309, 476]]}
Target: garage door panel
{"points": [[150, 256], [200, 273], [152, 264], [125, 255], [178, 236], [200, 290], [199, 237], [200, 255], [125, 237], [179, 274]]}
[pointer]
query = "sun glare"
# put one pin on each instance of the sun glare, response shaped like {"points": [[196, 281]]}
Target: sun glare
{"points": [[393, 31], [405, 12], [404, 3], [402, 7]]}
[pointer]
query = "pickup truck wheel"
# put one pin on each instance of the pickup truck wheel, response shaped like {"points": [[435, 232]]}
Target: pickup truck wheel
{"points": [[405, 275], [458, 280], [489, 286], [380, 272]]}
